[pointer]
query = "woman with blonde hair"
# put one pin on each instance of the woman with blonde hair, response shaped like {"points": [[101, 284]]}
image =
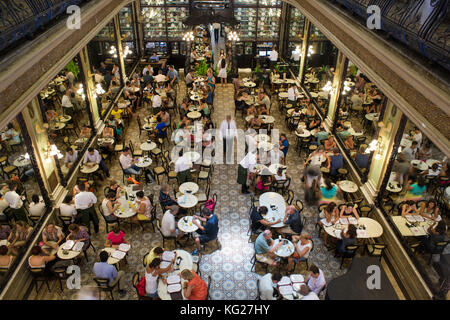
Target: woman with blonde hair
{"points": [[303, 246], [195, 288]]}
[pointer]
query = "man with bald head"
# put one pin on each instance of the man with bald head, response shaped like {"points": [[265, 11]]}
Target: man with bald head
{"points": [[293, 222]]}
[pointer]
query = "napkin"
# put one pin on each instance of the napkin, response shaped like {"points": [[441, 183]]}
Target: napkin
{"points": [[118, 254]]}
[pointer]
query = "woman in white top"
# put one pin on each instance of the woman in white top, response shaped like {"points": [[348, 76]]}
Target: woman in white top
{"points": [[302, 247], [5, 259], [143, 208], [222, 66], [37, 206], [67, 208], [152, 272], [109, 206], [430, 211], [280, 175]]}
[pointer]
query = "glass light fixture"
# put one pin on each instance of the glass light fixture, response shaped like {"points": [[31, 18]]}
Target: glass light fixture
{"points": [[328, 88], [310, 51], [188, 36], [233, 36]]}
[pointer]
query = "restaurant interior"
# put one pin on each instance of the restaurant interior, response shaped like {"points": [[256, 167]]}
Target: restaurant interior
{"points": [[357, 118]]}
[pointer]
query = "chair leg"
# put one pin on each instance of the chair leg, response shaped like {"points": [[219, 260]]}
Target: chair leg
{"points": [[112, 296]]}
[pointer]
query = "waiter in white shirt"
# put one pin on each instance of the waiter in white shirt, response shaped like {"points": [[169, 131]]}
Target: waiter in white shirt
{"points": [[156, 103], [245, 165], [293, 94], [228, 131], [84, 203], [67, 104], [273, 57], [15, 202], [93, 156], [183, 169]]}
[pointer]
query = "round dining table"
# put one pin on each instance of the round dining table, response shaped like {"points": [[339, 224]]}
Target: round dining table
{"points": [[192, 156], [186, 224], [394, 186], [304, 134], [144, 162], [276, 207], [273, 168], [21, 162], [186, 263], [126, 209], [348, 186], [420, 165], [283, 95], [372, 116], [87, 168], [70, 254], [112, 260], [189, 188], [194, 115], [286, 249], [187, 201], [146, 146]]}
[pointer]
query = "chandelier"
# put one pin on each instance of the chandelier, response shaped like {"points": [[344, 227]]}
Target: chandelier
{"points": [[233, 36], [188, 36]]}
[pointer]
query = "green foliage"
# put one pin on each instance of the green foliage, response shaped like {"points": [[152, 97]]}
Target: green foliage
{"points": [[323, 69], [257, 69], [73, 67], [201, 69], [280, 69]]}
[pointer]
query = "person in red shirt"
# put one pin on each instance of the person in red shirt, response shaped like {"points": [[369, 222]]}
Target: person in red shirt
{"points": [[195, 288], [115, 238]]}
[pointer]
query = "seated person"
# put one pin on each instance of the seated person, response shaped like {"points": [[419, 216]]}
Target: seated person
{"points": [[362, 158], [303, 246], [85, 132], [5, 258], [267, 284], [293, 222], [327, 217], [258, 223], [52, 236], [115, 238], [152, 273], [263, 182], [251, 111], [262, 110], [160, 133], [436, 233], [195, 288], [156, 252], [164, 198], [128, 163], [108, 132], [329, 144], [416, 190], [348, 238], [104, 270], [314, 123], [143, 208], [71, 157], [116, 112], [430, 210], [336, 162], [109, 206], [67, 208], [307, 294], [18, 239], [38, 259], [37, 206], [281, 175], [348, 143], [315, 280], [168, 226], [409, 208], [208, 232], [329, 192], [114, 187], [265, 248], [348, 210], [434, 171]]}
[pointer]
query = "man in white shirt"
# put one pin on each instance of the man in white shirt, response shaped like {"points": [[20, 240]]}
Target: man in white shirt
{"points": [[417, 137], [293, 94], [276, 155], [216, 27], [189, 79], [273, 56], [160, 77], [316, 280], [67, 104], [93, 157], [252, 144], [148, 70], [263, 98], [296, 55], [128, 163], [267, 284], [156, 103], [307, 293], [71, 157], [37, 206], [228, 131], [409, 153], [15, 202], [168, 225], [183, 169], [98, 77], [245, 165], [357, 101], [84, 203]]}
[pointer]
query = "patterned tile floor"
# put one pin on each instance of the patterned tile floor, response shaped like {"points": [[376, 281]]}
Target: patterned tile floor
{"points": [[229, 266]]}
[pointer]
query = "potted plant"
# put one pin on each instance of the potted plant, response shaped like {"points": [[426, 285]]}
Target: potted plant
{"points": [[73, 67]]}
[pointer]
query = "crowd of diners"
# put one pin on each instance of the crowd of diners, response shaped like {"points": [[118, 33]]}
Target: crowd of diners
{"points": [[155, 92]]}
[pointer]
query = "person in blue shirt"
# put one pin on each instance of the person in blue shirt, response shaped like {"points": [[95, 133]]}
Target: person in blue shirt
{"points": [[416, 190], [107, 271], [159, 127], [337, 162], [154, 57], [258, 223], [293, 222], [329, 192], [164, 68], [265, 248], [362, 158], [173, 75], [284, 146], [208, 232]]}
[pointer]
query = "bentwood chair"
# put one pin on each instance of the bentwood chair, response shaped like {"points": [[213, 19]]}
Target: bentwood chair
{"points": [[103, 286], [158, 226], [209, 287], [39, 275], [376, 249], [254, 261], [350, 252], [135, 281], [305, 260], [290, 197]]}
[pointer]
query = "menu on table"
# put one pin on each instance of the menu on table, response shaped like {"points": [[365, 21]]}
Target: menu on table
{"points": [[68, 245], [78, 246]]}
